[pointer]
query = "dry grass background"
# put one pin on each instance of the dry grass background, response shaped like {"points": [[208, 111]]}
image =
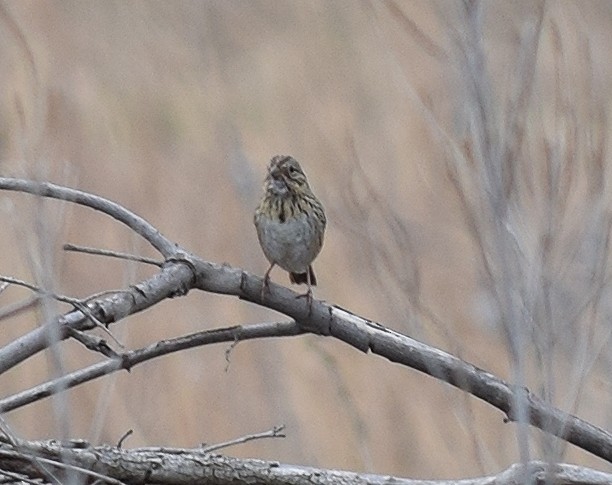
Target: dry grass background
{"points": [[174, 108]]}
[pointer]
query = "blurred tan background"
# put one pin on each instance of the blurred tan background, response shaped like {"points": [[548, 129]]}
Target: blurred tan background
{"points": [[174, 109]]}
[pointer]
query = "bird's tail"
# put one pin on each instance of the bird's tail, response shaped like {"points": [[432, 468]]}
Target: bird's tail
{"points": [[299, 278]]}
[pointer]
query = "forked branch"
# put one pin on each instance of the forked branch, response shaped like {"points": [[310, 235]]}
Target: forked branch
{"points": [[183, 271]]}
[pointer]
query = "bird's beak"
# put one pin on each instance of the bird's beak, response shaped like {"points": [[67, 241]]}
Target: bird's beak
{"points": [[275, 172]]}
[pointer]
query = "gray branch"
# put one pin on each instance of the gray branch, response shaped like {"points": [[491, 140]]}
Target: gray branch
{"points": [[186, 466], [183, 271]]}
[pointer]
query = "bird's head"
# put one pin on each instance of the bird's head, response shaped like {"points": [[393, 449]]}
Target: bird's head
{"points": [[285, 176]]}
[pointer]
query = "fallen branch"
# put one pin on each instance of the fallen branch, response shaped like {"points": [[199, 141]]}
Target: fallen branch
{"points": [[184, 466]]}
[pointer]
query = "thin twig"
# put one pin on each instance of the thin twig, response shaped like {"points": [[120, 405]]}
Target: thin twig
{"points": [[112, 254], [34, 288], [18, 307], [7, 431], [19, 477], [276, 432], [85, 310], [75, 302], [14, 441], [93, 343], [228, 353], [125, 436]]}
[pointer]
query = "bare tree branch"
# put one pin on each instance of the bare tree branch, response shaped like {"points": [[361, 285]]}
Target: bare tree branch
{"points": [[173, 280], [38, 461], [276, 432], [112, 254], [80, 305], [158, 349], [183, 466], [184, 271], [134, 222]]}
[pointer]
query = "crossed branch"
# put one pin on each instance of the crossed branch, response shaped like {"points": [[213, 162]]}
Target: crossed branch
{"points": [[183, 271]]}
